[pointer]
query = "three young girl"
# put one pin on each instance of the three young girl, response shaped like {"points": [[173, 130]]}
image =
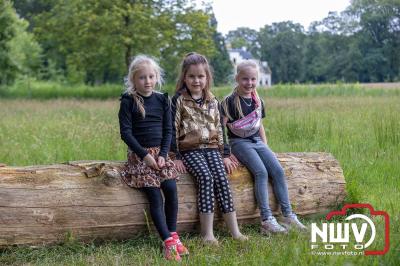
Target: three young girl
{"points": [[196, 136], [146, 128], [243, 111]]}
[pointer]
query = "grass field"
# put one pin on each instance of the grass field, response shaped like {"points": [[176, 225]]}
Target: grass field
{"points": [[32, 89], [362, 130]]}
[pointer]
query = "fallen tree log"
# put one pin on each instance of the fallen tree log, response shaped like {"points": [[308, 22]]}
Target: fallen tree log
{"points": [[86, 199]]}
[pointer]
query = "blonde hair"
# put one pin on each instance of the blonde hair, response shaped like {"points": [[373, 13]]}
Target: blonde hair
{"points": [[136, 65], [238, 107], [195, 59]]}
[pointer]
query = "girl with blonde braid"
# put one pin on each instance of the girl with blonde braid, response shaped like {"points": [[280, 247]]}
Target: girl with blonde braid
{"points": [[146, 128], [243, 111]]}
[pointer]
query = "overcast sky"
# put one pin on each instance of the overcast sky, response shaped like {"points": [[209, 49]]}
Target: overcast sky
{"points": [[254, 14]]}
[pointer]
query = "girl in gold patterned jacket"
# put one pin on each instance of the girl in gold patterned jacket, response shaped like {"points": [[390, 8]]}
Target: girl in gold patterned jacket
{"points": [[198, 144]]}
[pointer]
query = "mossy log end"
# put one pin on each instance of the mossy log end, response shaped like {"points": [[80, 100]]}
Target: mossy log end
{"points": [[86, 199]]}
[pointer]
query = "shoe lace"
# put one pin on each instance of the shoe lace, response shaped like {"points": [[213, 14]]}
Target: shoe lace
{"points": [[177, 240], [293, 218], [275, 224], [171, 250]]}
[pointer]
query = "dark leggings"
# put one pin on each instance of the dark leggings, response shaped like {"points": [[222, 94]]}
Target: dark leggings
{"points": [[164, 217], [207, 167]]}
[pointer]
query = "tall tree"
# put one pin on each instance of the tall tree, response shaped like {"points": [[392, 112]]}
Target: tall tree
{"points": [[379, 38], [96, 39], [189, 30], [28, 9], [281, 45], [8, 69], [25, 51], [244, 37], [330, 52], [220, 62]]}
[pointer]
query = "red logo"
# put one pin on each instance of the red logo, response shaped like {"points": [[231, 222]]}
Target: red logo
{"points": [[336, 235]]}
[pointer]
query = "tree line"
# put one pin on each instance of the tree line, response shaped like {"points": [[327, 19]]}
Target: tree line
{"points": [[92, 41], [361, 44]]}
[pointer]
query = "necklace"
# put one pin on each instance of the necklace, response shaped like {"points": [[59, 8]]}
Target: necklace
{"points": [[199, 101], [245, 102]]}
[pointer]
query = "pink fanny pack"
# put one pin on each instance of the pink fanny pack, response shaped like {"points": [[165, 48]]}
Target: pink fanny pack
{"points": [[248, 125]]}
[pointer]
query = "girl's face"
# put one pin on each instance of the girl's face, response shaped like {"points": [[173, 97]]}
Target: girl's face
{"points": [[145, 80], [247, 80], [196, 79]]}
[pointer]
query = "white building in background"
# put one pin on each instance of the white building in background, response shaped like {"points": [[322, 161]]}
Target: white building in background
{"points": [[238, 55]]}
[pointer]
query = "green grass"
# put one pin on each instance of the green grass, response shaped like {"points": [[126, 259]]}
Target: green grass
{"points": [[361, 131], [26, 89], [33, 89], [323, 90]]}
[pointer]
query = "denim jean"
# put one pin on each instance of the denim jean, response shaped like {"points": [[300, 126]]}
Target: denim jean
{"points": [[262, 162]]}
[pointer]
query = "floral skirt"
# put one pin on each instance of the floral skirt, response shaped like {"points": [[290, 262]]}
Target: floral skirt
{"points": [[137, 174]]}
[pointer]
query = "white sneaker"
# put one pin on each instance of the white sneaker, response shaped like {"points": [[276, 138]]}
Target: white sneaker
{"points": [[291, 221], [270, 225]]}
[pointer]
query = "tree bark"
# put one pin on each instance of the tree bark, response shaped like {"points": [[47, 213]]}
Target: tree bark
{"points": [[86, 200]]}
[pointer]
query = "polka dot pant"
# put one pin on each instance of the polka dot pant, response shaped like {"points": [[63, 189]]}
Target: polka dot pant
{"points": [[208, 169]]}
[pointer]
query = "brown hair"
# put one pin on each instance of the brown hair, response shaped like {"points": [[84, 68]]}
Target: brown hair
{"points": [[137, 63], [238, 107], [195, 59]]}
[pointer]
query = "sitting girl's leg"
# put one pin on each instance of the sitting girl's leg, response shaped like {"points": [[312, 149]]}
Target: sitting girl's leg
{"points": [[223, 193], [245, 152], [157, 214], [171, 212], [171, 203], [279, 184], [221, 183], [196, 165], [277, 174], [157, 211]]}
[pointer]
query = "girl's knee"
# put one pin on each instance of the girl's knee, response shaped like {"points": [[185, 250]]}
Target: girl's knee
{"points": [[156, 203], [261, 179], [169, 186], [171, 197], [227, 206], [205, 180], [260, 173], [278, 173]]}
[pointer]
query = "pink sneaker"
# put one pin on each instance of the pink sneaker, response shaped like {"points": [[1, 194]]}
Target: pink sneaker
{"points": [[169, 250], [182, 250]]}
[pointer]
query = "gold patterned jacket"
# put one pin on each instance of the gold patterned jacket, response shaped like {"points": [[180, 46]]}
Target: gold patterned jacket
{"points": [[196, 127]]}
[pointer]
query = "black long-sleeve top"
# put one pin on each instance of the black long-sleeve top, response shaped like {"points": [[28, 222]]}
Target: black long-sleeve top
{"points": [[154, 130]]}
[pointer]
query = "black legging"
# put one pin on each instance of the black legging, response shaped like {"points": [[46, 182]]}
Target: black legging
{"points": [[207, 167], [164, 217]]}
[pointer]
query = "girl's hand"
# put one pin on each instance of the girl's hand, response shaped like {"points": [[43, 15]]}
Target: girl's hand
{"points": [[161, 161], [150, 162], [229, 165], [234, 159], [180, 167], [263, 135]]}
